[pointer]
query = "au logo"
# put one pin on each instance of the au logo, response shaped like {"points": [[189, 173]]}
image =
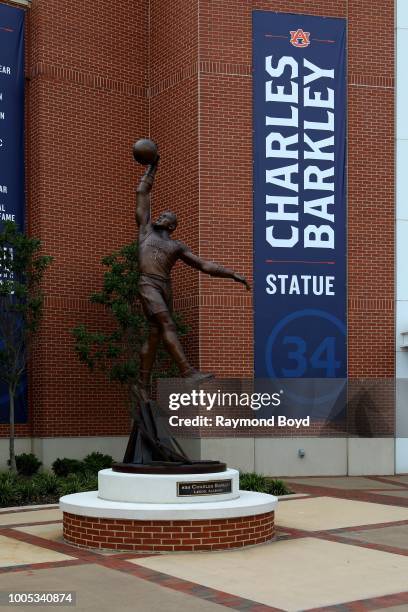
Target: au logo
{"points": [[299, 38]]}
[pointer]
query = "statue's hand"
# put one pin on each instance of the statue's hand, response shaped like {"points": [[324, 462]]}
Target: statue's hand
{"points": [[241, 279]]}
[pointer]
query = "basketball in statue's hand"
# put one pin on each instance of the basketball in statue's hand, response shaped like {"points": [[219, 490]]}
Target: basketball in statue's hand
{"points": [[145, 151]]}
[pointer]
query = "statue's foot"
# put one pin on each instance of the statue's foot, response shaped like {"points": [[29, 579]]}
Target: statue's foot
{"points": [[194, 375]]}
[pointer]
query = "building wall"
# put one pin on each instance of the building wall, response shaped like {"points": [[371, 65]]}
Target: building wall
{"points": [[181, 73], [225, 214], [86, 103]]}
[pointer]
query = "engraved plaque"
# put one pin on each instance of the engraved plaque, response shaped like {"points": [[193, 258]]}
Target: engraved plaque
{"points": [[207, 487]]}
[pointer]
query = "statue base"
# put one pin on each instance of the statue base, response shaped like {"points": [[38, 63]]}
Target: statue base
{"points": [[168, 513], [159, 500], [171, 467], [145, 488], [152, 449]]}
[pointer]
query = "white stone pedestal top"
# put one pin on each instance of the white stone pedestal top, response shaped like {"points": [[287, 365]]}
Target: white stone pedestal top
{"points": [[168, 488], [89, 504]]}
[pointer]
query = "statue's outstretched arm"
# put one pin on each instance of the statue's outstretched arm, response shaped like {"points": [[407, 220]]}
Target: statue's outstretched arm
{"points": [[143, 194], [211, 268]]}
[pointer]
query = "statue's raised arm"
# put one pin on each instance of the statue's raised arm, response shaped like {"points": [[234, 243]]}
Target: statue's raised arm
{"points": [[141, 148]]}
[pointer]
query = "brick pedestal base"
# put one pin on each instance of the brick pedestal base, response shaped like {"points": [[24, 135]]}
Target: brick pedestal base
{"points": [[158, 536]]}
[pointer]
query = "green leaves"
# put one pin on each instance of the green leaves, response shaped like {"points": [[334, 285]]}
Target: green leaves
{"points": [[117, 352], [22, 267], [251, 481]]}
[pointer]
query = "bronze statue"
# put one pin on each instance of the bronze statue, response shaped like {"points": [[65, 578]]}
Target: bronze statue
{"points": [[158, 253], [151, 447]]}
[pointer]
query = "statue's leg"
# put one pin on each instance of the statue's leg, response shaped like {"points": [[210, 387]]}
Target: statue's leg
{"points": [[148, 354], [171, 342], [173, 346]]}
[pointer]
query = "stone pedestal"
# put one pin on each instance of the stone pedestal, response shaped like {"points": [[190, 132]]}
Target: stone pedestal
{"points": [[155, 513]]}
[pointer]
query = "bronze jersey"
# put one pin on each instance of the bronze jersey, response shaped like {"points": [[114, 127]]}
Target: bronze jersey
{"points": [[157, 255]]}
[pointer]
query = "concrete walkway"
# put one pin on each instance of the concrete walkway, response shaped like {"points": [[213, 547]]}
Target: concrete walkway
{"points": [[342, 545]]}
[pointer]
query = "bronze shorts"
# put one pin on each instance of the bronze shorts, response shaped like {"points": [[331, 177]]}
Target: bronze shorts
{"points": [[155, 295]]}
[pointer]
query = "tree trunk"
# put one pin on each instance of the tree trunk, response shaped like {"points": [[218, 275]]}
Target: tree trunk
{"points": [[13, 467]]}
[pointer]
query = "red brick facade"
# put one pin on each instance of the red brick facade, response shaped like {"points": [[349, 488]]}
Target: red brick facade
{"points": [[100, 75], [161, 536]]}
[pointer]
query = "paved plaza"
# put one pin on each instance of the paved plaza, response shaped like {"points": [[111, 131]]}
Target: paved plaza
{"points": [[341, 544]]}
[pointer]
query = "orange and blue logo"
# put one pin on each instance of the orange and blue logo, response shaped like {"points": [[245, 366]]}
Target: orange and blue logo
{"points": [[299, 38]]}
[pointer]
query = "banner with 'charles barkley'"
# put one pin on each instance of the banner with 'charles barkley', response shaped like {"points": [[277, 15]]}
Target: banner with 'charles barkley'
{"points": [[299, 64]]}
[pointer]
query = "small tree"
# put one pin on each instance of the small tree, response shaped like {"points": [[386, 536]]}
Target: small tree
{"points": [[117, 352], [21, 300]]}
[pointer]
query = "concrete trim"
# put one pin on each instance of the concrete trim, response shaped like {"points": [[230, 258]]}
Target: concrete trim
{"points": [[49, 449], [371, 456], [238, 453], [22, 445], [280, 456], [89, 504], [269, 456], [162, 488]]}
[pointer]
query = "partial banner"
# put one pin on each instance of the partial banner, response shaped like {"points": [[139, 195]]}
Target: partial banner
{"points": [[12, 198], [299, 91], [12, 114]]}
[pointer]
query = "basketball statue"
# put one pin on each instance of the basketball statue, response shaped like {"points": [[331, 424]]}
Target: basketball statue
{"points": [[158, 252]]}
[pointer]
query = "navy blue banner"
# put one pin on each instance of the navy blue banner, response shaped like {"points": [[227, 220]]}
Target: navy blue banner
{"points": [[12, 145], [299, 81]]}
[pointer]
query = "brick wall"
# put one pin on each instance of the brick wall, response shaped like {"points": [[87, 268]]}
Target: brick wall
{"points": [[101, 75], [86, 103], [170, 536]]}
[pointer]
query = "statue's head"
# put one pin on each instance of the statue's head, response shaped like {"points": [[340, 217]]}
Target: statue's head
{"points": [[167, 220]]}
